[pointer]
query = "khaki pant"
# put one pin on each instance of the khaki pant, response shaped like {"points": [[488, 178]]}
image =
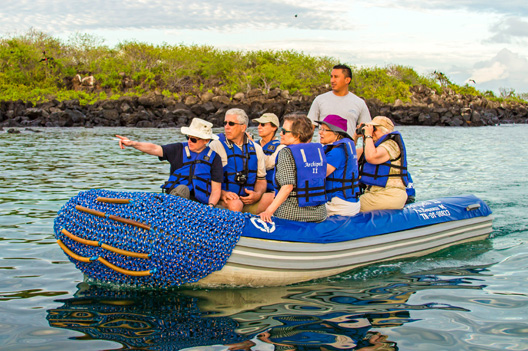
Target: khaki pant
{"points": [[383, 199], [340, 207]]}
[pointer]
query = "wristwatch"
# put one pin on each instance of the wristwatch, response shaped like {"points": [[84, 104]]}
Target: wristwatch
{"points": [[368, 136]]}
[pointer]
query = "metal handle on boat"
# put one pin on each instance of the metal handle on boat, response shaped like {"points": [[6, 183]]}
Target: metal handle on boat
{"points": [[115, 218], [472, 207]]}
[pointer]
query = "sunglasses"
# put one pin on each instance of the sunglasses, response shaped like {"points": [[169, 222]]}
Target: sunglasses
{"points": [[284, 131], [263, 124], [192, 140], [231, 123]]}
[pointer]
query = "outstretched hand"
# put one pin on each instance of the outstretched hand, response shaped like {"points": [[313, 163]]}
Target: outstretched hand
{"points": [[124, 141]]}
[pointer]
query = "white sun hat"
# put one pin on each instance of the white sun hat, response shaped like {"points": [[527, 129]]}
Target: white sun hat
{"points": [[200, 129]]}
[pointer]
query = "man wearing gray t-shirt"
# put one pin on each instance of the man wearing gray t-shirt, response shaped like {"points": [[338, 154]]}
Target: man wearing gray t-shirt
{"points": [[340, 101]]}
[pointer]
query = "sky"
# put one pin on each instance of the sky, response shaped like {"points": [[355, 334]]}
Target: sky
{"points": [[468, 40]]}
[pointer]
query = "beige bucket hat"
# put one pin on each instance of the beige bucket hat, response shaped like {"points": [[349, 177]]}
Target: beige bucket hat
{"points": [[200, 129]]}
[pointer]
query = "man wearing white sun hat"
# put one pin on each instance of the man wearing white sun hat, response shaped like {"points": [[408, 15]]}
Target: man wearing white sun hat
{"points": [[196, 170]]}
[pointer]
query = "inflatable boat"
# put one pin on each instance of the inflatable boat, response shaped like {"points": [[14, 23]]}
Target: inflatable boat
{"points": [[155, 240]]}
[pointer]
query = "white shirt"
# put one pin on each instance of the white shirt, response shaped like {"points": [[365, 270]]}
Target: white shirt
{"points": [[351, 107]]}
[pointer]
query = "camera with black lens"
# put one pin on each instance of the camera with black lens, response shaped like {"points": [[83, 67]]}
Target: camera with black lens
{"points": [[360, 130], [241, 178]]}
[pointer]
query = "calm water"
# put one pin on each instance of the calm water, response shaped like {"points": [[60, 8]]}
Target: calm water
{"points": [[468, 297]]}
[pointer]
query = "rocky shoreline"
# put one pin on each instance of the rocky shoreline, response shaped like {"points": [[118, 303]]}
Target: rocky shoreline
{"points": [[157, 111]]}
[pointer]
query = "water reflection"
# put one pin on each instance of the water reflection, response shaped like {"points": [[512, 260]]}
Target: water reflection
{"points": [[302, 317], [146, 320]]}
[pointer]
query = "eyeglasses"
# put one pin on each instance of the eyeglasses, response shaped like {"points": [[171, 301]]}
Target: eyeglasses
{"points": [[284, 131], [192, 140], [321, 130], [231, 123]]}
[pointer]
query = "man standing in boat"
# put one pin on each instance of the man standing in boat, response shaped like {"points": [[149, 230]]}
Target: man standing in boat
{"points": [[196, 170], [244, 167], [340, 101]]}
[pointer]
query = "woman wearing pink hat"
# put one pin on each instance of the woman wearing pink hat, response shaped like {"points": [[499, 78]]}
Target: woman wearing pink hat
{"points": [[382, 165], [342, 186]]}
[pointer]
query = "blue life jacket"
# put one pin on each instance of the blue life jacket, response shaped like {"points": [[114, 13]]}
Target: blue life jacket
{"points": [[195, 173], [269, 149], [310, 166], [343, 182], [378, 175], [240, 172]]}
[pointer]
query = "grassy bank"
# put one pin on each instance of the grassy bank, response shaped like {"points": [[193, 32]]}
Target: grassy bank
{"points": [[37, 67]]}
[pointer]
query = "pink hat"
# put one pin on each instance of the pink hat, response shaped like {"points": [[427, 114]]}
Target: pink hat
{"points": [[336, 123]]}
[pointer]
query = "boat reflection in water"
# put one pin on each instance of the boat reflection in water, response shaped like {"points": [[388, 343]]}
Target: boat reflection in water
{"points": [[137, 319], [301, 317]]}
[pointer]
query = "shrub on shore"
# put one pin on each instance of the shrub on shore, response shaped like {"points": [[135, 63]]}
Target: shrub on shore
{"points": [[36, 67]]}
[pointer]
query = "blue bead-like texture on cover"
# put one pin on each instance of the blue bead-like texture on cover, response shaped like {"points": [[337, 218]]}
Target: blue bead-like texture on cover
{"points": [[186, 241]]}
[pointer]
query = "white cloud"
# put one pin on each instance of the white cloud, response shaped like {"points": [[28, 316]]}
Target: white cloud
{"points": [[505, 70], [510, 7], [495, 71], [509, 29], [67, 15]]}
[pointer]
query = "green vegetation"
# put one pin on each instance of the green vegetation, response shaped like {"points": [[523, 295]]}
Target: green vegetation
{"points": [[36, 67]]}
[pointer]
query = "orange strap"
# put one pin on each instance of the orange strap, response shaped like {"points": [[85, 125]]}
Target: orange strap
{"points": [[104, 246], [71, 253], [115, 218], [122, 270], [103, 261], [79, 240], [111, 200]]}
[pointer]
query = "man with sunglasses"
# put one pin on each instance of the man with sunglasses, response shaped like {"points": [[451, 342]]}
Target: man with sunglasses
{"points": [[244, 166], [339, 101], [196, 170], [268, 124]]}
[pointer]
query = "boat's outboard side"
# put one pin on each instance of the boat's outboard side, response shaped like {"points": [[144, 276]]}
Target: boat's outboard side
{"points": [[157, 240], [145, 239], [261, 257], [340, 229]]}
